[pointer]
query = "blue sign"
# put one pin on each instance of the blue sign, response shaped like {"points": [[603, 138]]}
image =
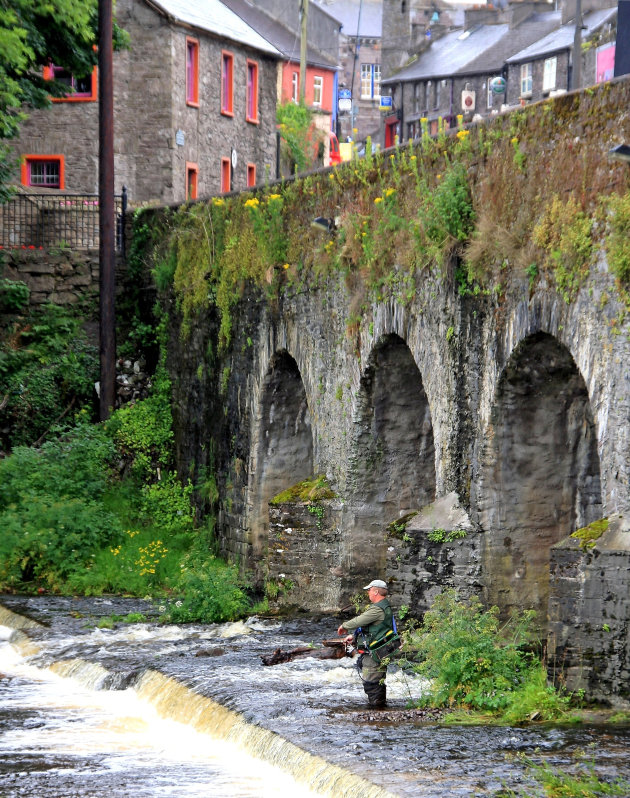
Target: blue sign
{"points": [[385, 103], [345, 94]]}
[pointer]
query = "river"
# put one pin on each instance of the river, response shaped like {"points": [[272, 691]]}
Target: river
{"points": [[153, 710]]}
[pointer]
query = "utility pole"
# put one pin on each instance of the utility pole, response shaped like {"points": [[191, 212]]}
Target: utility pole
{"points": [[576, 71], [106, 211], [303, 21], [357, 47]]}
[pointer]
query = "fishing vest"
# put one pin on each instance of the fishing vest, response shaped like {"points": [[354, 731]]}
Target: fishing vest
{"points": [[376, 632]]}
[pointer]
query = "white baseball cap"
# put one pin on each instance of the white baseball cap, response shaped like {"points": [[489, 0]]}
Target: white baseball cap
{"points": [[376, 583]]}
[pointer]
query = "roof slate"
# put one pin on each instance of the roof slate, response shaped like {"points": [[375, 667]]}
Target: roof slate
{"points": [[215, 17], [562, 38], [485, 49], [287, 42]]}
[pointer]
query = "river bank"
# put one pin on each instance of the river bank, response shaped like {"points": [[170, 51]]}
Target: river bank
{"points": [[212, 677]]}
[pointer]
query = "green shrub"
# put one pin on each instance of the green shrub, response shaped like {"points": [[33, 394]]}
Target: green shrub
{"points": [[143, 432], [45, 539], [211, 592], [475, 664], [618, 242], [167, 505], [564, 233], [14, 295], [47, 368], [51, 512]]}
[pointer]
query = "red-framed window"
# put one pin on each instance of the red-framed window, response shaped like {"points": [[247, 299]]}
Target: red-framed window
{"points": [[43, 171], [226, 174], [252, 91], [192, 176], [227, 83], [251, 175], [192, 72], [79, 89]]}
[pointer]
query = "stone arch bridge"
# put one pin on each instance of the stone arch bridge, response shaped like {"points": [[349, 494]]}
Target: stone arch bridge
{"points": [[465, 440]]}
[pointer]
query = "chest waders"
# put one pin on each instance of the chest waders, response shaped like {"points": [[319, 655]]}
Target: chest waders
{"points": [[370, 666]]}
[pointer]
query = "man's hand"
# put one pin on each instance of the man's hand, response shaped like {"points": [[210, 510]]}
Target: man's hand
{"points": [[341, 631]]}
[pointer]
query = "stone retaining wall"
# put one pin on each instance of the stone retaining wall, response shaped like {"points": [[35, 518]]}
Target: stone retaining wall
{"points": [[304, 543], [57, 275], [588, 642]]}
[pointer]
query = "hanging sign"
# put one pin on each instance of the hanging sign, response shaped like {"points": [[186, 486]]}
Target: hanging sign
{"points": [[498, 85]]}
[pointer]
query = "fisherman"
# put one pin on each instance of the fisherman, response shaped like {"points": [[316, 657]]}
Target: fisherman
{"points": [[374, 625]]}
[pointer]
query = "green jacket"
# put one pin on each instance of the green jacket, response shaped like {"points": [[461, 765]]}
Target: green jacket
{"points": [[375, 622]]}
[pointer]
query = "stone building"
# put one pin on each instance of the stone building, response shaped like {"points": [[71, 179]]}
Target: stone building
{"points": [[451, 72], [360, 66], [282, 30], [194, 109]]}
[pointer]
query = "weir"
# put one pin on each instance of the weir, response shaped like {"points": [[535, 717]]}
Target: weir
{"points": [[174, 701], [304, 719]]}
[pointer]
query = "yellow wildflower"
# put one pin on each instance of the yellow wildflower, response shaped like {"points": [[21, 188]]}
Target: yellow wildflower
{"points": [[514, 140], [461, 134], [389, 191], [218, 201], [377, 200], [252, 202], [275, 196], [439, 177], [285, 266]]}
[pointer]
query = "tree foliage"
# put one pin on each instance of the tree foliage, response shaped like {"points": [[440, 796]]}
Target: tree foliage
{"points": [[34, 34]]}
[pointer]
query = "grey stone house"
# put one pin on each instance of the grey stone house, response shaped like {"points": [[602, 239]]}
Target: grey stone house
{"points": [[545, 67], [453, 73], [194, 109]]}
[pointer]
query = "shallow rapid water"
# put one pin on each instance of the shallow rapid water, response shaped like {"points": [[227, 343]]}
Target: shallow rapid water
{"points": [[61, 740], [317, 705]]}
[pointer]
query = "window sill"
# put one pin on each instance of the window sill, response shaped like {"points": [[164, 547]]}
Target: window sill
{"points": [[252, 121], [192, 103], [85, 99], [227, 113]]}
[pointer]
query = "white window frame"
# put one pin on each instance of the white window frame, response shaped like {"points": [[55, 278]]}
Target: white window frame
{"points": [[490, 95], [549, 73], [318, 89], [295, 87], [376, 81], [366, 81], [527, 77]]}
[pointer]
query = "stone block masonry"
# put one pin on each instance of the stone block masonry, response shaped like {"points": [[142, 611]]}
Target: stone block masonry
{"points": [[60, 276], [507, 399], [304, 543], [589, 615]]}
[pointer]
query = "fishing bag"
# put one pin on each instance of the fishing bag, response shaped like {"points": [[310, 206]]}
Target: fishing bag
{"points": [[380, 649]]}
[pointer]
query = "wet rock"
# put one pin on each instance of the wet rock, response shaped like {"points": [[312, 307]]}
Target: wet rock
{"points": [[210, 652]]}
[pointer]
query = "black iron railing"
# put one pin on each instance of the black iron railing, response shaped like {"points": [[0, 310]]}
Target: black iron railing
{"points": [[57, 220]]}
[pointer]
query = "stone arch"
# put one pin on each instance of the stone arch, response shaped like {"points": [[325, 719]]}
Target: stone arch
{"points": [[392, 460], [540, 472], [284, 449]]}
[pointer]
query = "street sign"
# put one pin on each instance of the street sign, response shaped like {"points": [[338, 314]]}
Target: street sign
{"points": [[385, 103], [345, 100]]}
